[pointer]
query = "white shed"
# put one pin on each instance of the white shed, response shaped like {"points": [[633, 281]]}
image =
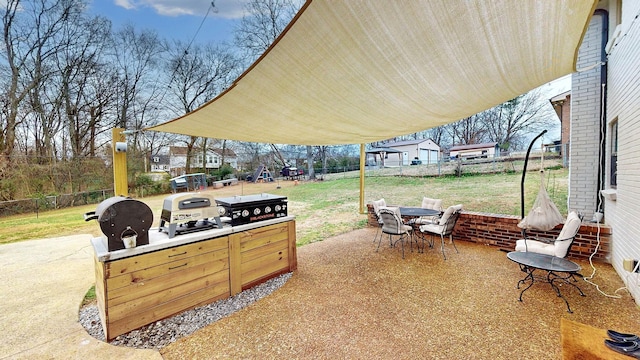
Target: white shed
{"points": [[424, 150], [475, 151]]}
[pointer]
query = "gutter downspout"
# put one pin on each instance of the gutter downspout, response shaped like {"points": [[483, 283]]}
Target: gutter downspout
{"points": [[603, 108]]}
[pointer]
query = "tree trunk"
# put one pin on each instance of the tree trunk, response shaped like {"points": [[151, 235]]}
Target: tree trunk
{"points": [[312, 172], [278, 154]]}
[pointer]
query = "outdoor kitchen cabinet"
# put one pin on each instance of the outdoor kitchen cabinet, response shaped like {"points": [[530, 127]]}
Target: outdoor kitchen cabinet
{"points": [[261, 253], [133, 291]]}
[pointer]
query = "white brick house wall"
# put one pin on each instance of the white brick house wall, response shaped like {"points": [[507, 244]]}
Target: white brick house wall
{"points": [[623, 106], [585, 114]]}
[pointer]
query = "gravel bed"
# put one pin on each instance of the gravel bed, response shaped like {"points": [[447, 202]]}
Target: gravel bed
{"points": [[162, 333]]}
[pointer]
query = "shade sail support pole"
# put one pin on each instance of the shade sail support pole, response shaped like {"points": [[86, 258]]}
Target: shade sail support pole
{"points": [[362, 162], [120, 184]]}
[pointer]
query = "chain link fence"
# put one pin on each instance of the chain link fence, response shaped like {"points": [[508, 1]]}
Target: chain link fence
{"points": [[35, 205]]}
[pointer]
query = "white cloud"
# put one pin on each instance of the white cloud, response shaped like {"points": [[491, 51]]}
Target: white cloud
{"points": [[125, 4], [230, 9]]}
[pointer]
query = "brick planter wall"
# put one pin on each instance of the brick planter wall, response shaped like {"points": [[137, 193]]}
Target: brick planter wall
{"points": [[502, 231]]}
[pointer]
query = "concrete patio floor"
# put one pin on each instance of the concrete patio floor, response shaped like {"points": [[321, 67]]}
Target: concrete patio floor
{"points": [[42, 284]]}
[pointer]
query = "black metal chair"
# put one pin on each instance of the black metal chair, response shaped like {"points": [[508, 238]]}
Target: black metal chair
{"points": [[443, 227], [393, 226]]}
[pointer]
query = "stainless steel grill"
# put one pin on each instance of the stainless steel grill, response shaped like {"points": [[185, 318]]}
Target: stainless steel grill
{"points": [[188, 212], [251, 208]]}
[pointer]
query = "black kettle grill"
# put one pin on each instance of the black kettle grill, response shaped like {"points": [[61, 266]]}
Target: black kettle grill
{"points": [[121, 218]]}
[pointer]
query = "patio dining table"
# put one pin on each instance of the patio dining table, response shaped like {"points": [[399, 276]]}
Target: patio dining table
{"points": [[411, 214]]}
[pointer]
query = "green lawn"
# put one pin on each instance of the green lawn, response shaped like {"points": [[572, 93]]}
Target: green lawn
{"points": [[330, 207]]}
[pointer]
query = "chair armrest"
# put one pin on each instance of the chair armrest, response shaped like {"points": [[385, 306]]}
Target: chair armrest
{"points": [[435, 219], [542, 240], [428, 220]]}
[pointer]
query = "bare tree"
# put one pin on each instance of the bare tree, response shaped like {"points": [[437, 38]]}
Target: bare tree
{"points": [[323, 151], [438, 134], [31, 38], [310, 170], [261, 25], [469, 130], [137, 55], [263, 22], [510, 122], [86, 84], [198, 74]]}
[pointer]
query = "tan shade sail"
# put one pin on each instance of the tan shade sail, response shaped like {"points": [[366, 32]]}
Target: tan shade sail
{"points": [[350, 71]]}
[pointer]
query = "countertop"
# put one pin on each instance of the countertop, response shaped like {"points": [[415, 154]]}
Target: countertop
{"points": [[159, 240]]}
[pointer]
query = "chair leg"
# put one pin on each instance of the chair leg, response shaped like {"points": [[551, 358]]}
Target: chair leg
{"points": [[442, 246], [379, 241], [453, 242]]}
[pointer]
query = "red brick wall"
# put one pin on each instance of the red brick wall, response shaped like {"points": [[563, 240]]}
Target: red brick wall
{"points": [[502, 231]]}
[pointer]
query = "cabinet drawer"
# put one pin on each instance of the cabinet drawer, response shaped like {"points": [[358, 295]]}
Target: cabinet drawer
{"points": [[185, 270], [134, 263]]}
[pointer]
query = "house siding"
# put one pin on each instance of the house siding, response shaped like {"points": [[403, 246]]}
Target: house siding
{"points": [[585, 112], [623, 105]]}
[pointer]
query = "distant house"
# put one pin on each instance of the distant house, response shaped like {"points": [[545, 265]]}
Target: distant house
{"points": [[424, 150], [474, 151], [213, 161], [177, 160], [230, 157], [159, 163]]}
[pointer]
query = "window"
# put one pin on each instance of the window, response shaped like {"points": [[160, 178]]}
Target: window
{"points": [[613, 175]]}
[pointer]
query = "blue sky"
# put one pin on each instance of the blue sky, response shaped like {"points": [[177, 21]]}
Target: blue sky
{"points": [[174, 19]]}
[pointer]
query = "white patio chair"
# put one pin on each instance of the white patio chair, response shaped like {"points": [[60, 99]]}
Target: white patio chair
{"points": [[392, 225], [558, 247], [429, 203], [443, 227], [377, 205]]}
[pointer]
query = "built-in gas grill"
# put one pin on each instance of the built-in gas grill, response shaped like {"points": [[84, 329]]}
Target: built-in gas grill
{"points": [[189, 212], [251, 208], [124, 221]]}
